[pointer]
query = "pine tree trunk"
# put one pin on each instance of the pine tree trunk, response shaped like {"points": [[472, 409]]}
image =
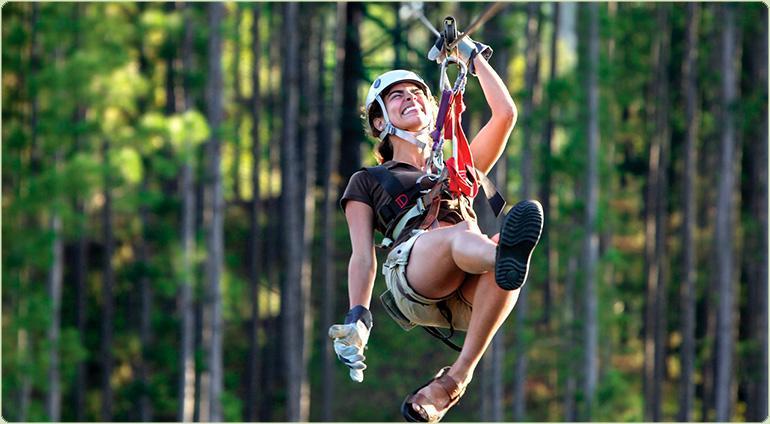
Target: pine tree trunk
{"points": [[494, 377], [661, 215], [292, 204], [272, 372], [399, 41], [55, 275], [330, 184], [756, 241], [655, 226], [23, 335], [591, 247], [25, 391], [185, 304], [308, 150], [498, 345], [81, 250], [56, 271], [709, 162], [214, 211], [724, 230], [255, 230], [688, 289], [551, 265], [570, 333], [531, 81], [661, 96], [145, 406], [142, 377], [239, 102], [108, 281], [350, 153]]}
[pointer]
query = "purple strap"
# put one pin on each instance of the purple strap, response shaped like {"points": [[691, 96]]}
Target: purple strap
{"points": [[446, 96]]}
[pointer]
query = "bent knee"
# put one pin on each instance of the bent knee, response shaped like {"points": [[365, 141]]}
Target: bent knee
{"points": [[466, 226]]}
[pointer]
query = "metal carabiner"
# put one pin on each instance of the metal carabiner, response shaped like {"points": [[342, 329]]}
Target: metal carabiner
{"points": [[461, 75]]}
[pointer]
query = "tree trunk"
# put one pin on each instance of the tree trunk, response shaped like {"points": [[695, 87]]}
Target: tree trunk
{"points": [[145, 406], [108, 281], [214, 211], [23, 335], [531, 101], [56, 271], [255, 215], [291, 295], [238, 101], [756, 241], [81, 251], [352, 133], [551, 265], [591, 247], [330, 184], [688, 289], [661, 214], [55, 275], [142, 377], [311, 84], [399, 41], [81, 270], [185, 304], [272, 372], [655, 226], [570, 333], [724, 229], [492, 374], [710, 161]]}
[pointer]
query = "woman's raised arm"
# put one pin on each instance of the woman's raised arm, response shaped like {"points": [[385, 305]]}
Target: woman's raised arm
{"points": [[490, 141]]}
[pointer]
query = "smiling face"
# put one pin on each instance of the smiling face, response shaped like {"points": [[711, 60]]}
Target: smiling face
{"points": [[408, 107]]}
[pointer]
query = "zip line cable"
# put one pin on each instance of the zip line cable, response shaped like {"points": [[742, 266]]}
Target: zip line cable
{"points": [[490, 11]]}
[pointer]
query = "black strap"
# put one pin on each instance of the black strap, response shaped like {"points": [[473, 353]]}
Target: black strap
{"points": [[435, 332], [495, 199], [386, 179], [401, 199]]}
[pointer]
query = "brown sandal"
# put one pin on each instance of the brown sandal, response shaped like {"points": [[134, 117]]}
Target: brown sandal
{"points": [[450, 386]]}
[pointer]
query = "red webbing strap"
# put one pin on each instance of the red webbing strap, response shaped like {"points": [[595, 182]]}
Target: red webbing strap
{"points": [[461, 175]]}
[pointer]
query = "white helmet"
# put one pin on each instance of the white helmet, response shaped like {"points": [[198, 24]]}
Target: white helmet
{"points": [[419, 138]]}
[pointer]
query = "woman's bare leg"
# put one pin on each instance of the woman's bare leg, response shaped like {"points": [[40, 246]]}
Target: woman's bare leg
{"points": [[491, 306], [441, 258]]}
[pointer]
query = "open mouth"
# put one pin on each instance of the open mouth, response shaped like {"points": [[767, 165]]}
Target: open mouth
{"points": [[411, 110]]}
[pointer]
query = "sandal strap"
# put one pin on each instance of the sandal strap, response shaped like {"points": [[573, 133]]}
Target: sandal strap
{"points": [[450, 386]]}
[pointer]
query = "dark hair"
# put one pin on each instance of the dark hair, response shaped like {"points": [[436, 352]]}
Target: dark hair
{"points": [[383, 151]]}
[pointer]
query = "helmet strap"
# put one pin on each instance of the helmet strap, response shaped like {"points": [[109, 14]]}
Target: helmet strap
{"points": [[421, 138]]}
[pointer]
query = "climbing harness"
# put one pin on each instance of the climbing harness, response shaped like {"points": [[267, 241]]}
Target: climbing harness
{"points": [[464, 178]]}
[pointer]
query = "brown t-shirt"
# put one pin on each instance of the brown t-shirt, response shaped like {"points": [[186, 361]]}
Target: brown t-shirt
{"points": [[365, 188]]}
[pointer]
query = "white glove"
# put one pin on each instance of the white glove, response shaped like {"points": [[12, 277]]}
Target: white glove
{"points": [[467, 49], [350, 340]]}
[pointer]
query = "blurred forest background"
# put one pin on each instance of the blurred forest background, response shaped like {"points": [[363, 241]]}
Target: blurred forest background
{"points": [[173, 248]]}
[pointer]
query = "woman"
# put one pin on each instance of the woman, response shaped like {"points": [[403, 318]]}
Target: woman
{"points": [[442, 273]]}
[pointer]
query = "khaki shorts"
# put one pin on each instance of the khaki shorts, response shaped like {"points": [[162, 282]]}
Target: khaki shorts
{"points": [[419, 309]]}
